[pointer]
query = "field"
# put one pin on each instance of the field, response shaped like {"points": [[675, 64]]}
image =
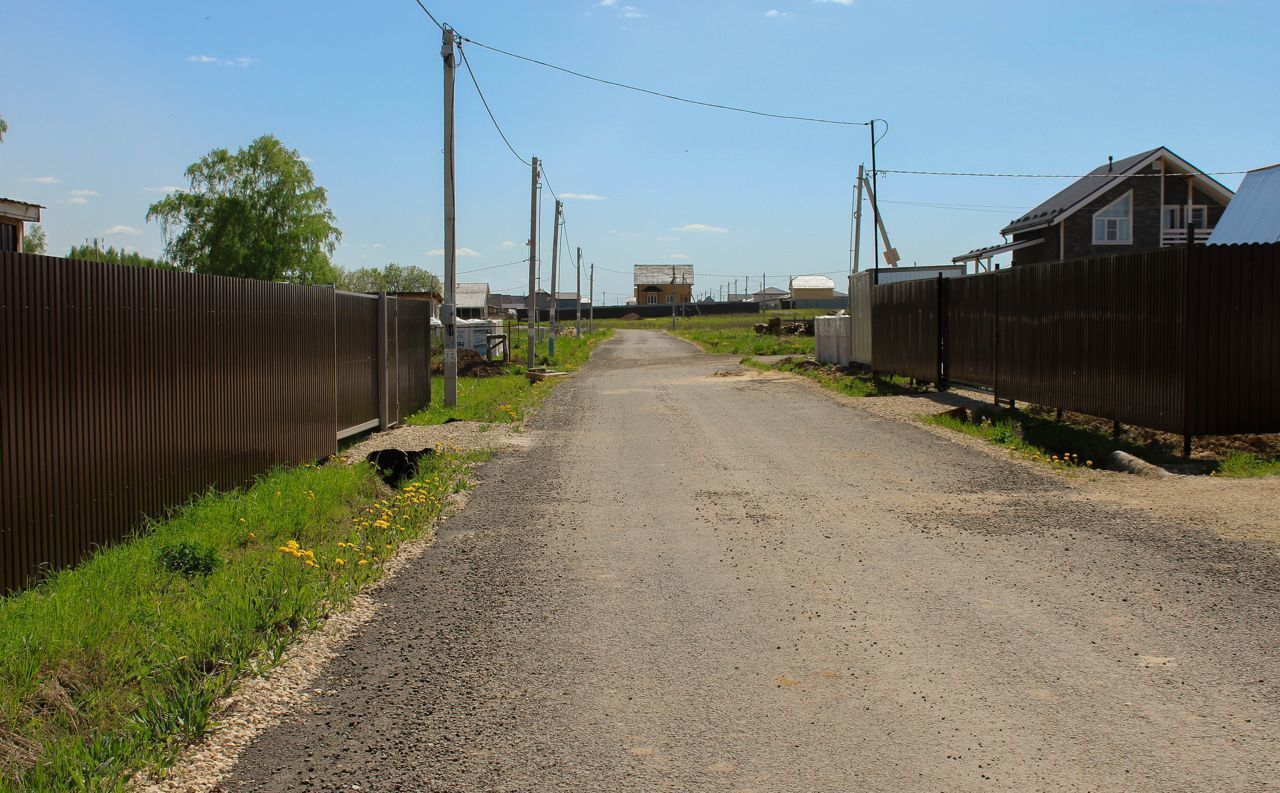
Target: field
{"points": [[730, 333]]}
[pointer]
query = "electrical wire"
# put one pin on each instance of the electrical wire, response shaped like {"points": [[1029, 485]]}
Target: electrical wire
{"points": [[493, 266], [1116, 175], [429, 14], [487, 109], [616, 84], [960, 207]]}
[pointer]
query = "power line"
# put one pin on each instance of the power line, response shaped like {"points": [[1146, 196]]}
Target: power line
{"points": [[962, 207], [494, 266], [485, 102], [1115, 175], [429, 14], [616, 84]]}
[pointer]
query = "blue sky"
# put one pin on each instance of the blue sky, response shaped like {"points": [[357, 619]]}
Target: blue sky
{"points": [[111, 101]]}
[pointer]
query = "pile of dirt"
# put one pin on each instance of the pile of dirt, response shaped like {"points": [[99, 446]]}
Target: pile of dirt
{"points": [[776, 327], [472, 364], [631, 317]]}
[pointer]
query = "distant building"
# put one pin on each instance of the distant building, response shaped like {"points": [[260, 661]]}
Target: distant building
{"points": [[769, 297], [812, 287], [1254, 214], [14, 215], [1133, 204], [663, 283], [472, 300]]}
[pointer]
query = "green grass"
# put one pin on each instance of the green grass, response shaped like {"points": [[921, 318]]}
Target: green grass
{"points": [[835, 379], [730, 333], [1060, 444], [508, 398], [1244, 465], [114, 665]]}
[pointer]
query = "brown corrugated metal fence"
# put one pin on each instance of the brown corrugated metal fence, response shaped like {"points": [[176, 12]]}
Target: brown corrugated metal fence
{"points": [[126, 391], [1177, 339], [904, 329]]}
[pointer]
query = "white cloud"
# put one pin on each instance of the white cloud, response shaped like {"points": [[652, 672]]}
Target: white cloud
{"points": [[84, 192], [165, 189], [774, 13], [126, 230], [583, 197], [667, 239], [462, 252], [837, 2], [507, 245], [41, 180], [702, 227], [377, 245], [306, 159], [677, 256], [631, 12], [242, 61], [77, 200], [607, 3]]}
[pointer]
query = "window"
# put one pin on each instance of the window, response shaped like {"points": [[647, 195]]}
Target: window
{"points": [[1174, 216], [651, 299], [671, 298], [1113, 224]]}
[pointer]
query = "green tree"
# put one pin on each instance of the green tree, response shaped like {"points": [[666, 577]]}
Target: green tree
{"points": [[257, 213], [34, 240], [112, 255], [392, 278], [4, 127]]}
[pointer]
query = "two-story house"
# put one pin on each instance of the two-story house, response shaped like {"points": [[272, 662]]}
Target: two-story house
{"points": [[1137, 203]]}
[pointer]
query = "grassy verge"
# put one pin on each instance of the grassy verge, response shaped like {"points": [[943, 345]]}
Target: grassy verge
{"points": [[745, 341], [859, 384], [1035, 434], [731, 333], [113, 666], [510, 397]]}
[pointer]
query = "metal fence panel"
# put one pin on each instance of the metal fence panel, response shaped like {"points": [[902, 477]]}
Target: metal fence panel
{"points": [[904, 329], [1234, 358], [413, 362], [356, 340], [126, 391], [970, 338]]}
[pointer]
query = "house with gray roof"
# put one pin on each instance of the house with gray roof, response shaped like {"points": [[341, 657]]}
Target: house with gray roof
{"points": [[1136, 203], [472, 300], [663, 283]]}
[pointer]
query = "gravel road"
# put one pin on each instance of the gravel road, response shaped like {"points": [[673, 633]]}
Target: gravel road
{"points": [[689, 581]]}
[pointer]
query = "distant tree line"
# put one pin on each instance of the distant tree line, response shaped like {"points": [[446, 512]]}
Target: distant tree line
{"points": [[392, 278], [113, 255]]}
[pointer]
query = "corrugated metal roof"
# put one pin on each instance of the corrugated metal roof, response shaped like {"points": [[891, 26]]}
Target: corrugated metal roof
{"points": [[471, 295], [663, 274], [1100, 179], [1254, 214], [812, 282]]}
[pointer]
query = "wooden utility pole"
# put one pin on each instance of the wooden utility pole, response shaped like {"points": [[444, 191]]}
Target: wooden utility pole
{"points": [[591, 310], [531, 302], [554, 317], [448, 312], [577, 298]]}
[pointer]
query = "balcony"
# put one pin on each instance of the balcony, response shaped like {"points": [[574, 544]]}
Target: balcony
{"points": [[1179, 236]]}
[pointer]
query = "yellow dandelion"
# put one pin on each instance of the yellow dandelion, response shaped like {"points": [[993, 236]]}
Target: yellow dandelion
{"points": [[252, 536], [362, 562], [292, 543], [340, 562], [310, 563]]}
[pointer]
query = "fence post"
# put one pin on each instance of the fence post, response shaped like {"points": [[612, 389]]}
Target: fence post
{"points": [[384, 418], [942, 333], [1187, 369]]}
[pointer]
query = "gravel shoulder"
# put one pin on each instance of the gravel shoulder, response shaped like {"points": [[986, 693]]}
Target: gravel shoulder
{"points": [[684, 581]]}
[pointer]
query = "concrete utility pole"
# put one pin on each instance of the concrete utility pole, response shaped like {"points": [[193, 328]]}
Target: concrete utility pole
{"points": [[591, 310], [577, 298], [448, 312], [553, 319], [531, 302], [857, 221]]}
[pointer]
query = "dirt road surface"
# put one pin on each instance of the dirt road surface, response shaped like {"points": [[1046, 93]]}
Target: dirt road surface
{"points": [[687, 581]]}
